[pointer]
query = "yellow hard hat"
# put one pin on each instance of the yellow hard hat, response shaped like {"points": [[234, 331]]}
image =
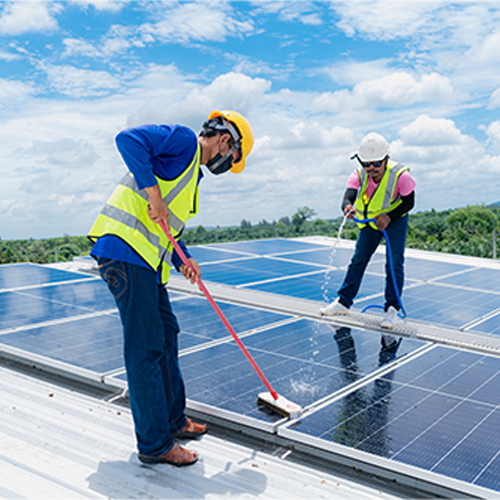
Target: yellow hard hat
{"points": [[245, 138]]}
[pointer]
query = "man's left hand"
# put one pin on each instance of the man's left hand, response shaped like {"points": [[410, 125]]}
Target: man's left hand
{"points": [[382, 221], [188, 273]]}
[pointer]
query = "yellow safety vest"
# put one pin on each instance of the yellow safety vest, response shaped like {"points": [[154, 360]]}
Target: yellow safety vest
{"points": [[126, 215], [382, 200]]}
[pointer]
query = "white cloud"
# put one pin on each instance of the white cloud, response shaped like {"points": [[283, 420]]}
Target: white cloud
{"points": [[31, 16], [79, 47], [493, 131], [486, 51], [351, 72], [194, 102], [77, 83], [383, 20], [174, 22], [8, 56], [494, 99], [452, 169], [13, 92], [196, 21], [305, 12], [426, 131], [67, 153], [117, 41], [102, 5], [395, 90], [311, 135]]}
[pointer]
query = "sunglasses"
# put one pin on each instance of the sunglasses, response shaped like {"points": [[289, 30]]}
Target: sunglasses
{"points": [[376, 164]]}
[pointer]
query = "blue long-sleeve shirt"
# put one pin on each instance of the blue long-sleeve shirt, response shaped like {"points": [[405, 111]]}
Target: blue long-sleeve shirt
{"points": [[164, 151]]}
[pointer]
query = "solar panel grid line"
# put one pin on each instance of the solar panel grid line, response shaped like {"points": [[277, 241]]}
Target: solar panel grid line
{"points": [[366, 379], [296, 261], [218, 248], [450, 275], [280, 278], [46, 285], [290, 345], [229, 261], [463, 439], [480, 342], [462, 287], [437, 485], [51, 300], [48, 364], [58, 321], [486, 467], [427, 429], [451, 258], [299, 252], [367, 298], [482, 319], [430, 393], [241, 335], [454, 405]]}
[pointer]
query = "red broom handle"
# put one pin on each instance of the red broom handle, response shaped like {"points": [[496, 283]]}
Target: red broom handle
{"points": [[223, 318]]}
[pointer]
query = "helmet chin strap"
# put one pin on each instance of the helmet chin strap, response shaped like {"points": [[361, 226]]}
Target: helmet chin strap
{"points": [[214, 163]]}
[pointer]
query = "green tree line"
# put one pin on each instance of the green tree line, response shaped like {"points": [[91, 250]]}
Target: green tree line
{"points": [[465, 231]]}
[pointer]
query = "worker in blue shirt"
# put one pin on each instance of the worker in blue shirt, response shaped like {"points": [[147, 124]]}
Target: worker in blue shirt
{"points": [[134, 258]]}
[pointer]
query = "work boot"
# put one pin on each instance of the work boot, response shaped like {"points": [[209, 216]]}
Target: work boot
{"points": [[191, 430], [177, 456], [334, 309]]}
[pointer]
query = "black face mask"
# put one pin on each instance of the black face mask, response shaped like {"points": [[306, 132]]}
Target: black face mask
{"points": [[220, 164]]}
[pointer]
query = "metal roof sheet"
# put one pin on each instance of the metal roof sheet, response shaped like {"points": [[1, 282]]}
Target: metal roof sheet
{"points": [[58, 443]]}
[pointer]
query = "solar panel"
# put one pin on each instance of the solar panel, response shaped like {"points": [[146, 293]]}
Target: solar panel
{"points": [[312, 287], [253, 270], [480, 279], [205, 325], [94, 343], [423, 269], [435, 412], [27, 274], [326, 256], [490, 325], [36, 305], [430, 406], [215, 254], [443, 305], [266, 247], [300, 359]]}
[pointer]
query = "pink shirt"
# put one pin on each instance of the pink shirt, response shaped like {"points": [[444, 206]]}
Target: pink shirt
{"points": [[404, 186]]}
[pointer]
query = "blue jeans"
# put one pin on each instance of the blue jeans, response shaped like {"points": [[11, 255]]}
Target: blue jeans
{"points": [[150, 328], [366, 244]]}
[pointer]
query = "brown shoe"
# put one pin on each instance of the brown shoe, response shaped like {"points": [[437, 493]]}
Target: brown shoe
{"points": [[191, 430], [177, 456]]}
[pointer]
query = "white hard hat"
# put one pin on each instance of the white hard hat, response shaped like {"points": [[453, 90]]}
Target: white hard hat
{"points": [[373, 147]]}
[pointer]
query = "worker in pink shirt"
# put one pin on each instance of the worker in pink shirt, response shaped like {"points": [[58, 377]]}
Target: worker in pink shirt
{"points": [[384, 191]]}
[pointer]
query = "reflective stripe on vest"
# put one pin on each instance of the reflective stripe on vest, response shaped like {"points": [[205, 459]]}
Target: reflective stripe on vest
{"points": [[126, 215], [382, 199]]}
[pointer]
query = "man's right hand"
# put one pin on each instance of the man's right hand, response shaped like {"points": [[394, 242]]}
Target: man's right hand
{"points": [[349, 211], [157, 209]]}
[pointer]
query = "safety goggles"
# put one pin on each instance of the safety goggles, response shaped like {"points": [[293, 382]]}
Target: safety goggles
{"points": [[375, 164]]}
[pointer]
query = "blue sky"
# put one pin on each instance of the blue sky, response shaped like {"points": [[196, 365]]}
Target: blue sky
{"points": [[311, 77]]}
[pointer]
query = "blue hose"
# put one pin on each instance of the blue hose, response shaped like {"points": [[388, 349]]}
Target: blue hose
{"points": [[402, 312]]}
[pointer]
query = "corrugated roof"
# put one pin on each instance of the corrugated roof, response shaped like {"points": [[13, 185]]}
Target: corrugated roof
{"points": [[61, 444]]}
